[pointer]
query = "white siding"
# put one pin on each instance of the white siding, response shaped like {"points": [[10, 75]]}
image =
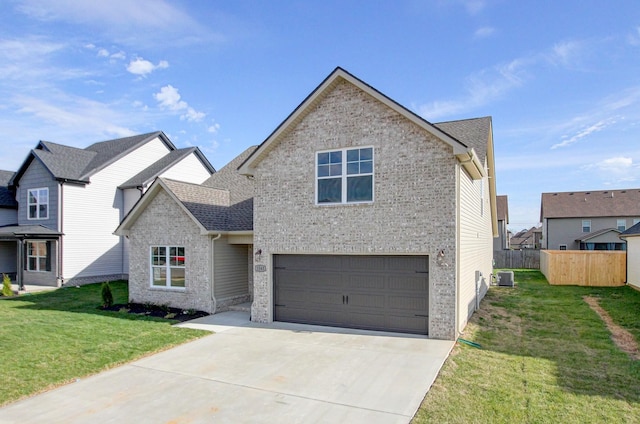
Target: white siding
{"points": [[633, 261], [475, 244], [189, 170], [93, 212]]}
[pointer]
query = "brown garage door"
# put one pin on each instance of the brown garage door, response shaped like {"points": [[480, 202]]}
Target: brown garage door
{"points": [[389, 293]]}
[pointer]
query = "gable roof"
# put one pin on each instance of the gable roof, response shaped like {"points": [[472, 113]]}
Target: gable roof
{"points": [[147, 175], [473, 132], [633, 231], [222, 204], [7, 199], [594, 234], [590, 204], [337, 76], [503, 208], [66, 163]]}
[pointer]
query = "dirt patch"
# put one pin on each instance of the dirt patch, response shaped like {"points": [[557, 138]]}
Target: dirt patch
{"points": [[621, 337]]}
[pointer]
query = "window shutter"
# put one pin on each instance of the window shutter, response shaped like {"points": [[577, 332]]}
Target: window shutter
{"points": [[25, 259], [49, 256]]}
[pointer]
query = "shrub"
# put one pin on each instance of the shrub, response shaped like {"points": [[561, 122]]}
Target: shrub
{"points": [[6, 285], [107, 296]]}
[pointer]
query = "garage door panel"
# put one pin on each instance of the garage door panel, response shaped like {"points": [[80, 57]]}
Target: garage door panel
{"points": [[388, 293]]}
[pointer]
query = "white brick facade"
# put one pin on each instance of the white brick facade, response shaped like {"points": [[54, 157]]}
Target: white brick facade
{"points": [[414, 211]]}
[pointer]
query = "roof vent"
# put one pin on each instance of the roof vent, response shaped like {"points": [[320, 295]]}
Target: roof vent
{"points": [[588, 192], [570, 194]]}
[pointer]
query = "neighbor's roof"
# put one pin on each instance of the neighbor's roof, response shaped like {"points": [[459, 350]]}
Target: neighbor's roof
{"points": [[503, 208], [75, 164], [631, 231], [147, 175], [594, 234], [590, 204], [12, 231], [7, 200]]}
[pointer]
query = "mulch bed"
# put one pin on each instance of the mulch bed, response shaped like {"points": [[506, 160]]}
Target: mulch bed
{"points": [[175, 314]]}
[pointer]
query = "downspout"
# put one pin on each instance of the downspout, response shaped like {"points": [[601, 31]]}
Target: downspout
{"points": [[61, 227], [213, 297]]}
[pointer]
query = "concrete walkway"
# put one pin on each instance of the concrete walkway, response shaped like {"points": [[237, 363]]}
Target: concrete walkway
{"points": [[254, 373]]}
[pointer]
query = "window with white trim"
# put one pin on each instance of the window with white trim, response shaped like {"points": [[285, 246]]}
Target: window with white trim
{"points": [[586, 225], [344, 176], [621, 224], [37, 256], [562, 247], [167, 266], [38, 203]]}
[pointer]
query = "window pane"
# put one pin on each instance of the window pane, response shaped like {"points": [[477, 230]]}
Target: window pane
{"points": [[40, 248], [335, 170], [159, 276], [323, 158], [42, 264], [353, 168], [32, 197], [330, 190], [177, 277], [366, 154], [177, 256], [43, 196], [32, 264], [353, 155], [335, 157], [33, 211], [323, 170], [366, 167], [43, 211], [360, 189]]}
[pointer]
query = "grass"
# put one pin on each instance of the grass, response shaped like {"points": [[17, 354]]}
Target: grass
{"points": [[546, 357], [49, 339]]}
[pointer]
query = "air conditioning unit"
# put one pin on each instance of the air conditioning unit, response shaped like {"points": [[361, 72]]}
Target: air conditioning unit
{"points": [[505, 278]]}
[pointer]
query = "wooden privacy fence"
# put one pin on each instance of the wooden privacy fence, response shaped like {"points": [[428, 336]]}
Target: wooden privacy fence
{"points": [[584, 267], [525, 258]]}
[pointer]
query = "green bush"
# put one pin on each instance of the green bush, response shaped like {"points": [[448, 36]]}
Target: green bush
{"points": [[107, 296], [6, 285]]}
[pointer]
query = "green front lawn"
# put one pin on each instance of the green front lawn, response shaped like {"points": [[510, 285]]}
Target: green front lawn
{"points": [[52, 338], [546, 357]]}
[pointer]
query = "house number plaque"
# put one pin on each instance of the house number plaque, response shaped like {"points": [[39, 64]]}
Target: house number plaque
{"points": [[261, 268]]}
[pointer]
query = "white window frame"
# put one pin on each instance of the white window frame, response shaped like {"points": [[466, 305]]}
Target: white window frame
{"points": [[38, 203], [344, 176], [562, 247], [588, 221], [167, 267], [621, 223], [37, 254]]}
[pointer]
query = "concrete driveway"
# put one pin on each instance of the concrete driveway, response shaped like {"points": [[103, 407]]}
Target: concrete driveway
{"points": [[254, 373]]}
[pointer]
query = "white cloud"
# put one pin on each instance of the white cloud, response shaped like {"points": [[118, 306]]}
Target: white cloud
{"points": [[139, 66], [484, 32], [634, 37], [119, 55], [617, 164], [584, 132], [103, 53], [213, 128], [169, 98]]}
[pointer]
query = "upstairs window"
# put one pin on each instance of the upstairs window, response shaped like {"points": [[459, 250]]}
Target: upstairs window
{"points": [[344, 176], [586, 225], [167, 266], [38, 203], [621, 224]]}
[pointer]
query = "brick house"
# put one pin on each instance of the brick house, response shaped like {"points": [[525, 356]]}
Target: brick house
{"points": [[364, 215]]}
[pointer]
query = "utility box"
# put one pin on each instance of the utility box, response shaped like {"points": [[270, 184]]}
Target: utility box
{"points": [[505, 278]]}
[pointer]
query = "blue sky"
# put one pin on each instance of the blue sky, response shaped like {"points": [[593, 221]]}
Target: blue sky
{"points": [[561, 79]]}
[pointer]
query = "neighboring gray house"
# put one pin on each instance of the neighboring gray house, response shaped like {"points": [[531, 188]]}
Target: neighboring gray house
{"points": [[588, 220], [632, 237], [368, 216], [70, 200], [8, 217], [191, 245], [502, 241]]}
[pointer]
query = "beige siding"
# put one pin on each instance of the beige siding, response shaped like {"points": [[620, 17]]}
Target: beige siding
{"points": [[475, 244], [230, 270], [633, 261], [94, 211], [189, 170]]}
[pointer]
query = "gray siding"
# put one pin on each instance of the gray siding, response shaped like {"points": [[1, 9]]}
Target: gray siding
{"points": [[44, 278], [8, 257], [559, 231], [414, 211], [8, 216], [230, 270], [37, 176]]}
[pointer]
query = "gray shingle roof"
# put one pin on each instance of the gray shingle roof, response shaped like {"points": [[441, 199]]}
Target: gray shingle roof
{"points": [[632, 231], [7, 200], [11, 231], [591, 204], [224, 202], [472, 132], [148, 174]]}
